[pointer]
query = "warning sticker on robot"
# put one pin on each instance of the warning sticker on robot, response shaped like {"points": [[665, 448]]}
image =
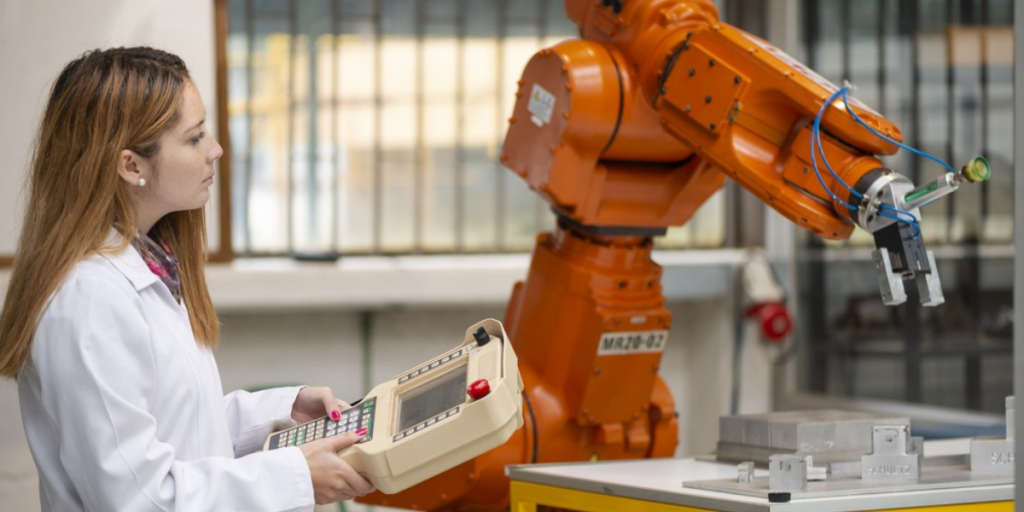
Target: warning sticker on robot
{"points": [[542, 103], [617, 343]]}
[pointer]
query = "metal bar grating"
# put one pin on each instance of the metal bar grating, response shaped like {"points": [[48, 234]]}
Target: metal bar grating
{"points": [[395, 186], [940, 69]]}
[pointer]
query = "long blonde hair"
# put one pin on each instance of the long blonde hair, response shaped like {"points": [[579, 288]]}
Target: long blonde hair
{"points": [[102, 103]]}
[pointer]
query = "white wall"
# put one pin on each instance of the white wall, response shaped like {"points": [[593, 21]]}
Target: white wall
{"points": [[39, 37]]}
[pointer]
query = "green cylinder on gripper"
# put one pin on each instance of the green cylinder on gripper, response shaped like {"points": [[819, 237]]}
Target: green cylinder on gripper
{"points": [[977, 170]]}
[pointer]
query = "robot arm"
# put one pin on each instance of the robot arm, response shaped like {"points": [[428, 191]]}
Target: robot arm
{"points": [[859, 189], [637, 124], [626, 132]]}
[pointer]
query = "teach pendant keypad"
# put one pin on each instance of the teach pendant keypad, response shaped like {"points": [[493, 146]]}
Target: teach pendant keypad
{"points": [[360, 416]]}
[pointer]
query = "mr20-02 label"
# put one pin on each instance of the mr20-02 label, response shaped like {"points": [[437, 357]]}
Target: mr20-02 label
{"points": [[617, 343]]}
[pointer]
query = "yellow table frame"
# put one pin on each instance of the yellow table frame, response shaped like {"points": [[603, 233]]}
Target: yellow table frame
{"points": [[525, 497]]}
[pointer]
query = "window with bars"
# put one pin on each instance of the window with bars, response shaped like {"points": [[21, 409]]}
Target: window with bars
{"points": [[374, 126], [943, 71]]}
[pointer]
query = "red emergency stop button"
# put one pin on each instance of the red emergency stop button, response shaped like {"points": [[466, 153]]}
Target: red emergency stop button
{"points": [[479, 389], [775, 321]]}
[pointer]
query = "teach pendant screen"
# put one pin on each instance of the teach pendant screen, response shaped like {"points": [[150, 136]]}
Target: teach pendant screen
{"points": [[436, 397]]}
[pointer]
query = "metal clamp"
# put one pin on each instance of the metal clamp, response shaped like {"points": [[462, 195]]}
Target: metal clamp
{"points": [[787, 472], [895, 455], [993, 454]]}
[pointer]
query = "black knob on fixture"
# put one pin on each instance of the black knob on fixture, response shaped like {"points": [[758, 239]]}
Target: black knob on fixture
{"points": [[481, 337]]}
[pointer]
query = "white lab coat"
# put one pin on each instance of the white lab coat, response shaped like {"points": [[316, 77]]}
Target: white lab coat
{"points": [[124, 411]]}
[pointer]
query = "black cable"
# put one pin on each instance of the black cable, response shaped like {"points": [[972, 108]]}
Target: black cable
{"points": [[737, 351], [533, 424], [622, 103]]}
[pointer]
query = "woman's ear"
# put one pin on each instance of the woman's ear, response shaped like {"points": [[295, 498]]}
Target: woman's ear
{"points": [[132, 168]]}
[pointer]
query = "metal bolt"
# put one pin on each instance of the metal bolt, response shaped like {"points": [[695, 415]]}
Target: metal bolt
{"points": [[713, 125], [711, 62], [707, 99], [736, 80], [686, 109], [693, 71]]}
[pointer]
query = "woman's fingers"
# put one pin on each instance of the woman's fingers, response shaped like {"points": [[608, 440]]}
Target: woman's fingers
{"points": [[333, 478]]}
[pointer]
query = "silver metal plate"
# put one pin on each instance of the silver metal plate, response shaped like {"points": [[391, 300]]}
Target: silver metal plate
{"points": [[932, 479], [929, 286], [890, 283], [828, 435]]}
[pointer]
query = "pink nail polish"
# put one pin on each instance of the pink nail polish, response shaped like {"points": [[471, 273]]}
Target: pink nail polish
{"points": [[335, 415], [361, 432]]}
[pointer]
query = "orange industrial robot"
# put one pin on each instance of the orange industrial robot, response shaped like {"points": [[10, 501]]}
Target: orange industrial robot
{"points": [[626, 132]]}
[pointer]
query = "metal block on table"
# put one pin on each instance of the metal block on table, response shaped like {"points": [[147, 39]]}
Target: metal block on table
{"points": [[995, 454], [892, 457], [829, 435], [787, 473], [745, 472], [991, 454]]}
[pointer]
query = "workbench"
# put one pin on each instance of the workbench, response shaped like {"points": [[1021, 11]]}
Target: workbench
{"points": [[656, 485]]}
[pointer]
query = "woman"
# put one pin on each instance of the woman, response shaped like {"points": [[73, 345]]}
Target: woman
{"points": [[108, 326]]}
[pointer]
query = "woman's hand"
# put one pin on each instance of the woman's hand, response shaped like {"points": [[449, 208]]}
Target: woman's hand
{"points": [[313, 403], [333, 478]]}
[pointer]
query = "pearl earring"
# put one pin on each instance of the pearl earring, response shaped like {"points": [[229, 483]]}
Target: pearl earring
{"points": [[142, 182]]}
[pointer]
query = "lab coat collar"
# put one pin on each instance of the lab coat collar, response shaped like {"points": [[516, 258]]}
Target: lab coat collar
{"points": [[129, 262]]}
